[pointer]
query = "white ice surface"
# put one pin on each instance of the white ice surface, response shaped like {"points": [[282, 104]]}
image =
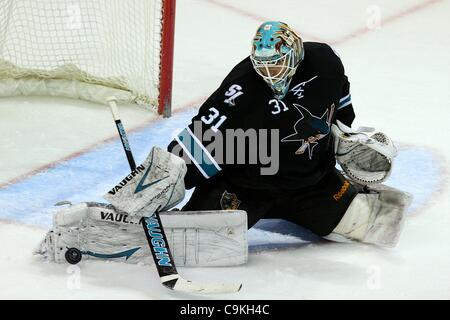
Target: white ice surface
{"points": [[399, 76]]}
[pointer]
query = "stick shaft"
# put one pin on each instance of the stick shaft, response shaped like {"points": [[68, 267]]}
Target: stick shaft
{"points": [[152, 226], [122, 134]]}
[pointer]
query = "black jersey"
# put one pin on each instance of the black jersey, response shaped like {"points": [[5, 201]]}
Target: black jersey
{"points": [[295, 131]]}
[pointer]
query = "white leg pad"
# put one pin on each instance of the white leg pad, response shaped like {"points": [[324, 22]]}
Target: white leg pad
{"points": [[376, 217], [196, 238]]}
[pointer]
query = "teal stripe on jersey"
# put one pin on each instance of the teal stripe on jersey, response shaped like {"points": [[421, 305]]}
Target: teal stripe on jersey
{"points": [[198, 154]]}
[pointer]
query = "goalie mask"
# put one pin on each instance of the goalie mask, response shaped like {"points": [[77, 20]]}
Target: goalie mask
{"points": [[277, 51]]}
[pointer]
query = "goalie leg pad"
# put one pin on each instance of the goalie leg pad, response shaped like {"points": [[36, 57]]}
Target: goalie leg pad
{"points": [[375, 217], [196, 238]]}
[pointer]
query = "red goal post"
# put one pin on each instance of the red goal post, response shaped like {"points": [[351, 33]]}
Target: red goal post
{"points": [[167, 50]]}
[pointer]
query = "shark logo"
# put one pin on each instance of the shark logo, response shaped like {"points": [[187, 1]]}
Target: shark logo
{"points": [[309, 129]]}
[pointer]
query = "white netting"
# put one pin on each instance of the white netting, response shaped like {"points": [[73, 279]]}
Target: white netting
{"points": [[87, 49]]}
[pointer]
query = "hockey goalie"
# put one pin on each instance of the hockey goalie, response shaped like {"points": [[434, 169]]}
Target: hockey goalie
{"points": [[264, 145]]}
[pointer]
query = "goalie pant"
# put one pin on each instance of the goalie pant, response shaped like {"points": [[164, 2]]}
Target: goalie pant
{"points": [[318, 208], [196, 239]]}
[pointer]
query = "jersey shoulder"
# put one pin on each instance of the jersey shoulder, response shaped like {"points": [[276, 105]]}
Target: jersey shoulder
{"points": [[239, 86], [243, 73], [322, 57]]}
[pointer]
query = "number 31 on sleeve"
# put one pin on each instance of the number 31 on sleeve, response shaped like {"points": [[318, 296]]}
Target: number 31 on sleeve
{"points": [[212, 117]]}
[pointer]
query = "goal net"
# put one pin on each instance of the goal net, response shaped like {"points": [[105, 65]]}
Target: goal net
{"points": [[87, 49]]}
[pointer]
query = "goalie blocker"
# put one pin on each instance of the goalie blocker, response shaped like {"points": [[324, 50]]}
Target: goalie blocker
{"points": [[196, 239], [156, 184]]}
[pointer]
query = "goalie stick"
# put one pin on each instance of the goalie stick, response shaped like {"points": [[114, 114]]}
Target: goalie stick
{"points": [[157, 240]]}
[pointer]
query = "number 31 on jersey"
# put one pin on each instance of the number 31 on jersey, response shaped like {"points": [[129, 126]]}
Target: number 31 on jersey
{"points": [[278, 106]]}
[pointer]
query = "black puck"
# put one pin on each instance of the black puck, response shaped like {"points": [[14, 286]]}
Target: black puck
{"points": [[73, 255]]}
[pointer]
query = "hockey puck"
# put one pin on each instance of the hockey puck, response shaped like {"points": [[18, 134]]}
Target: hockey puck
{"points": [[73, 255]]}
